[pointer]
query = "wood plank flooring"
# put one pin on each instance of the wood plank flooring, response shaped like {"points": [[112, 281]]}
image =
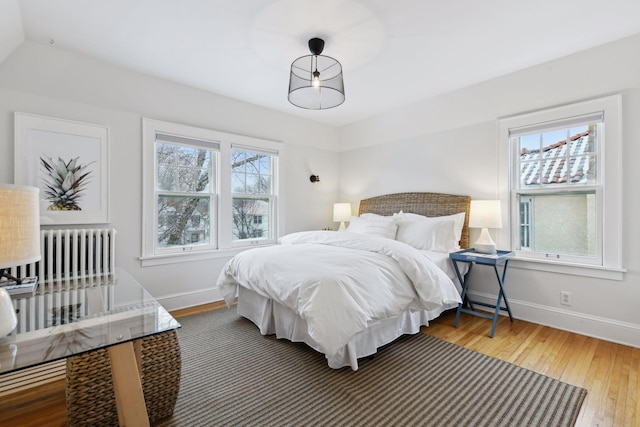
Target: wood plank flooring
{"points": [[610, 372]]}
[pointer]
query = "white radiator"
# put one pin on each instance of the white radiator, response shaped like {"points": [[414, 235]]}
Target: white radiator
{"points": [[71, 260], [70, 255]]}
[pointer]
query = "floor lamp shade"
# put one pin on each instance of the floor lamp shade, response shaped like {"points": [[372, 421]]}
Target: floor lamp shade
{"points": [[19, 225]]}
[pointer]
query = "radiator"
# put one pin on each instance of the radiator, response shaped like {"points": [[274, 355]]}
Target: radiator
{"points": [[72, 255], [72, 259]]}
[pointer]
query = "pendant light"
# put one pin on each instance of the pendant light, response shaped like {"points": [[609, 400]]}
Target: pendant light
{"points": [[316, 82]]}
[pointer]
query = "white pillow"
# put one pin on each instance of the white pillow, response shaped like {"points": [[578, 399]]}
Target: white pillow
{"points": [[431, 234], [381, 227], [458, 218]]}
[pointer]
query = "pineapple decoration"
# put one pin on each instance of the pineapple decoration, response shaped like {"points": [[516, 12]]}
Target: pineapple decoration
{"points": [[64, 182]]}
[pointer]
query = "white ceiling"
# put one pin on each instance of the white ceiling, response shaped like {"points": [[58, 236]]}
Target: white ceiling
{"points": [[393, 53]]}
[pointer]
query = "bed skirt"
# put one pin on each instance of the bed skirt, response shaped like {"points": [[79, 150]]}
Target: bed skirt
{"points": [[273, 318]]}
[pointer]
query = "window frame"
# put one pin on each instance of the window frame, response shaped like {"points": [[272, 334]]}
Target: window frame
{"points": [[224, 247], [272, 196], [212, 194], [610, 191]]}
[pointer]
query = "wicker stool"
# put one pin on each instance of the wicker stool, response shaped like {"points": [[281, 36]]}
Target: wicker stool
{"points": [[90, 397]]}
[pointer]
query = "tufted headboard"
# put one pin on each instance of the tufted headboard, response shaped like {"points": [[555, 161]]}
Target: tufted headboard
{"points": [[427, 204]]}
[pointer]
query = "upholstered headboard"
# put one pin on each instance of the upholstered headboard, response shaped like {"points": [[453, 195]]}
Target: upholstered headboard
{"points": [[427, 204]]}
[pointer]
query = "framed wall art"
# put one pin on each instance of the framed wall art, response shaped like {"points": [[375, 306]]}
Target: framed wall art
{"points": [[69, 162]]}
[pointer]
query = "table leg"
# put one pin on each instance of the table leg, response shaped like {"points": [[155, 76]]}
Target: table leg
{"points": [[501, 295], [504, 294], [497, 307], [132, 410], [464, 283]]}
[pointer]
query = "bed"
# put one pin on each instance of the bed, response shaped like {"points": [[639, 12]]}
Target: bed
{"points": [[347, 294]]}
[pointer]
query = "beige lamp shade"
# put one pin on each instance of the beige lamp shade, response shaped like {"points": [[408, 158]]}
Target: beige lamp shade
{"points": [[19, 225]]}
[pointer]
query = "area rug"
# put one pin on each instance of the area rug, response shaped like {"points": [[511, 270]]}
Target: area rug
{"points": [[233, 376]]}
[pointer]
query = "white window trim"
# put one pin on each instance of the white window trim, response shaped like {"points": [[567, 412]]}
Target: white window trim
{"points": [[611, 153], [226, 247], [271, 151]]}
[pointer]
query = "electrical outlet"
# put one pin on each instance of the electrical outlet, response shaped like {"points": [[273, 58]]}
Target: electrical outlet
{"points": [[565, 298]]}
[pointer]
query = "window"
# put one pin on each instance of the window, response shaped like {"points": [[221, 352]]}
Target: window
{"points": [[252, 194], [525, 223], [556, 186], [206, 192], [185, 193], [562, 184]]}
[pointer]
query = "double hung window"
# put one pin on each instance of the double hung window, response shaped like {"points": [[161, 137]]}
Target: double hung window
{"points": [[563, 185], [185, 193], [556, 186], [252, 192], [206, 191]]}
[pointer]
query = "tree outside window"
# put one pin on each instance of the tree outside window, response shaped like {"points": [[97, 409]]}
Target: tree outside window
{"points": [[252, 192], [205, 192]]}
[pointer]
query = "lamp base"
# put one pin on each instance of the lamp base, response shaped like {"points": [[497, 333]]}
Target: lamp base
{"points": [[485, 249], [8, 318], [485, 244], [342, 226]]}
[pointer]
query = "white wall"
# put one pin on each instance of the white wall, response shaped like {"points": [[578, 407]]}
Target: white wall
{"points": [[450, 144], [446, 144], [48, 81]]}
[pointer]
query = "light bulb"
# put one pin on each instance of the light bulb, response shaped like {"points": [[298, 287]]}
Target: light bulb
{"points": [[315, 82]]}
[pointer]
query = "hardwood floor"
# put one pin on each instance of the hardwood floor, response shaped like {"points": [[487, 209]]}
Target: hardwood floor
{"points": [[610, 372]]}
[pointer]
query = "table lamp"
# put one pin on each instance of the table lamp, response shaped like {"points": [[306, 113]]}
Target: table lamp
{"points": [[485, 214], [341, 213], [19, 241]]}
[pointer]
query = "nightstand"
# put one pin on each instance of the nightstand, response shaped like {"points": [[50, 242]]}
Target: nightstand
{"points": [[471, 257]]}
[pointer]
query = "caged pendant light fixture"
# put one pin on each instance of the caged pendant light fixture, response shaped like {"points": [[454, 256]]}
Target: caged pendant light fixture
{"points": [[316, 82]]}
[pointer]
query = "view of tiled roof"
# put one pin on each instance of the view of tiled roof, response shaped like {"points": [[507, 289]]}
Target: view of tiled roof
{"points": [[553, 167]]}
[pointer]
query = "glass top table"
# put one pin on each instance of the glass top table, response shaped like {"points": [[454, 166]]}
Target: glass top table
{"points": [[70, 318]]}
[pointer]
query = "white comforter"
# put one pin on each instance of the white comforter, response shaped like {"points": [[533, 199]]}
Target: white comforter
{"points": [[339, 283]]}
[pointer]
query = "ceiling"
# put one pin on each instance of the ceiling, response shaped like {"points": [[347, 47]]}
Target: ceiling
{"points": [[393, 53]]}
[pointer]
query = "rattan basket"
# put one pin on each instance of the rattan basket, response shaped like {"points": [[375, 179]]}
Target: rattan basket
{"points": [[90, 398]]}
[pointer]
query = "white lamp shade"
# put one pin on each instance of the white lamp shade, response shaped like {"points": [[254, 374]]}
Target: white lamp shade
{"points": [[19, 225], [485, 214], [341, 212]]}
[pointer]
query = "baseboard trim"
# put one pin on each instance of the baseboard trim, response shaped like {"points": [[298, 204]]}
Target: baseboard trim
{"points": [[182, 300], [593, 326]]}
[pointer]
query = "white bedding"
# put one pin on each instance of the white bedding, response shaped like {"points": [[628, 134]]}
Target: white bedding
{"points": [[443, 261], [371, 279]]}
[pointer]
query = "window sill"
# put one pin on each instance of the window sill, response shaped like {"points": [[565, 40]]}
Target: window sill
{"points": [[153, 260], [608, 273]]}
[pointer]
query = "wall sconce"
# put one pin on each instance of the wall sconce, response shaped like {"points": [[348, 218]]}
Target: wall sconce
{"points": [[314, 178]]}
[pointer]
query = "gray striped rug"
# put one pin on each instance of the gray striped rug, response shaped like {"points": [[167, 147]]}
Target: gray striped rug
{"points": [[233, 376]]}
